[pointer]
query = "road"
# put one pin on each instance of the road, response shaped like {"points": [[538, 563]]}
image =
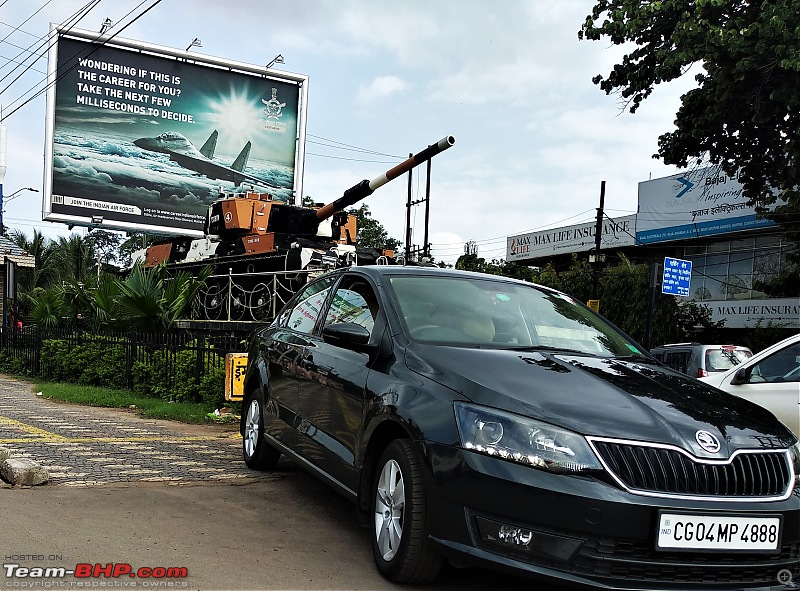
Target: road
{"points": [[152, 494]]}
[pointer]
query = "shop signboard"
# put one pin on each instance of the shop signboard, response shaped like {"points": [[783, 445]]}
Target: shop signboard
{"points": [[692, 204]]}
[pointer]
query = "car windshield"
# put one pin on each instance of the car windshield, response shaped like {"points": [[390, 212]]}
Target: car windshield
{"points": [[498, 314], [724, 358]]}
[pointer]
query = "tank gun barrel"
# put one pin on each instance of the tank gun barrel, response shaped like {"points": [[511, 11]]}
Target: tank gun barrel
{"points": [[366, 187]]}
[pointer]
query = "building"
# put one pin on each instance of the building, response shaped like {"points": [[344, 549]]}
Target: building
{"points": [[699, 216], [11, 258]]}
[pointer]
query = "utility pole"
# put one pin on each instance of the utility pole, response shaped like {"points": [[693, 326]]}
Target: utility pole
{"points": [[596, 258], [653, 284], [426, 247], [407, 258], [423, 251]]}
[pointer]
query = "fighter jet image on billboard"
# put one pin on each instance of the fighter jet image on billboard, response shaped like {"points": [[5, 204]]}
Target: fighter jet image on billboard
{"points": [[182, 151]]}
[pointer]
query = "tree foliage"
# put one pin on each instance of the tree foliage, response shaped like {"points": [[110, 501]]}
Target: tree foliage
{"points": [[744, 114], [471, 262], [370, 233], [623, 293]]}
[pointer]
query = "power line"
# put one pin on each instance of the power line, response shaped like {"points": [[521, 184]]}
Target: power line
{"points": [[145, 11], [343, 146], [350, 159], [46, 43]]}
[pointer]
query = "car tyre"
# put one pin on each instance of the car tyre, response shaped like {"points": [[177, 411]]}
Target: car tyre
{"points": [[258, 455], [400, 545]]}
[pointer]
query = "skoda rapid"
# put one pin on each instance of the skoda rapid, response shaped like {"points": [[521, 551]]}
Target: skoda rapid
{"points": [[493, 422]]}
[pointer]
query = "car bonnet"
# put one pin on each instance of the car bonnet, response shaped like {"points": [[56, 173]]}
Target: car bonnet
{"points": [[603, 397]]}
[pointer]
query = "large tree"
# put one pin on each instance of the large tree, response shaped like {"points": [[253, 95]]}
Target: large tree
{"points": [[370, 232], [745, 112]]}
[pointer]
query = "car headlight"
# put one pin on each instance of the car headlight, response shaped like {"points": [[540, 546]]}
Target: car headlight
{"points": [[794, 455], [526, 441]]}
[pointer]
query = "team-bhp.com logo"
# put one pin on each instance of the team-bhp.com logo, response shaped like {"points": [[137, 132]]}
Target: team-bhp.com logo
{"points": [[88, 574]]}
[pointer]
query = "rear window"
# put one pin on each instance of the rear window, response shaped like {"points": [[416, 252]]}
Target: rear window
{"points": [[724, 359]]}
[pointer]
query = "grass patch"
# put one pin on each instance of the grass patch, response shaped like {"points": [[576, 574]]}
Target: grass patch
{"points": [[152, 408]]}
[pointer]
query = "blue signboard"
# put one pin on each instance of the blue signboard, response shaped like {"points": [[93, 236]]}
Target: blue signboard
{"points": [[677, 274]]}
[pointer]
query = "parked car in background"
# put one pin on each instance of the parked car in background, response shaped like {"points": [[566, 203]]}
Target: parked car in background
{"points": [[697, 360], [770, 378], [499, 423]]}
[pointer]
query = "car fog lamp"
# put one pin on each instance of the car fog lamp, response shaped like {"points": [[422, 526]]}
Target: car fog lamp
{"points": [[516, 536], [520, 539]]}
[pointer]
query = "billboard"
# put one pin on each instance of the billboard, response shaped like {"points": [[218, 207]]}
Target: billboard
{"points": [[776, 312], [143, 137], [691, 204], [578, 238]]}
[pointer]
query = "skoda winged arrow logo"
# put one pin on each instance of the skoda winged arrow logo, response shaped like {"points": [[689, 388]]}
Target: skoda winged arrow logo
{"points": [[707, 441]]}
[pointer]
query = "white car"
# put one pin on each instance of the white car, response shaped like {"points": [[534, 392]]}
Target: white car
{"points": [[770, 378]]}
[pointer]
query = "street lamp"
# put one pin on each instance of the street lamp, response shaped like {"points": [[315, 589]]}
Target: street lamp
{"points": [[10, 197], [278, 59]]}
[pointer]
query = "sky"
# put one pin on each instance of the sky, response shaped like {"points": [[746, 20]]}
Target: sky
{"points": [[509, 79]]}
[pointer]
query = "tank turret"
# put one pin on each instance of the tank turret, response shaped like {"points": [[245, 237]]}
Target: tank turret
{"points": [[257, 214], [251, 223], [249, 234]]}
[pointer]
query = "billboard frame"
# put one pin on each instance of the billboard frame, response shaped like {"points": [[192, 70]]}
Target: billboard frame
{"points": [[158, 51]]}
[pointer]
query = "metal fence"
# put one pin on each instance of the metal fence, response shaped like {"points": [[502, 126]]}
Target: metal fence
{"points": [[248, 296], [23, 350]]}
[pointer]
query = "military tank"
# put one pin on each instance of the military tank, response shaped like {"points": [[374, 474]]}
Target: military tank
{"points": [[262, 250]]}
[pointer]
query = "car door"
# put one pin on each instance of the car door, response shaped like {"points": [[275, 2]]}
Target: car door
{"points": [[774, 383], [283, 351], [332, 387]]}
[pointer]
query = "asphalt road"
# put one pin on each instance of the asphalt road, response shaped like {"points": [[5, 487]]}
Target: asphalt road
{"points": [[154, 494]]}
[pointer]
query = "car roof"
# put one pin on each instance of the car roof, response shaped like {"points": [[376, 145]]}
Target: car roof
{"points": [[399, 270]]}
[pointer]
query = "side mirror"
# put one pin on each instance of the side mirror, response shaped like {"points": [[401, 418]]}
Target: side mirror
{"points": [[740, 377], [347, 334]]}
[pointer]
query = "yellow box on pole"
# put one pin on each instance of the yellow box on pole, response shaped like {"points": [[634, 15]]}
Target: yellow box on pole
{"points": [[594, 305], [235, 368]]}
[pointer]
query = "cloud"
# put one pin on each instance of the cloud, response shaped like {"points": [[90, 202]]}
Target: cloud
{"points": [[380, 88]]}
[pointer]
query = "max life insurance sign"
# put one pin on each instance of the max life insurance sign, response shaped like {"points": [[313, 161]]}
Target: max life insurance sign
{"points": [[577, 238]]}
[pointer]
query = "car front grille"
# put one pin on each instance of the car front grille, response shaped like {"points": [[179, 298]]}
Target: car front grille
{"points": [[664, 470]]}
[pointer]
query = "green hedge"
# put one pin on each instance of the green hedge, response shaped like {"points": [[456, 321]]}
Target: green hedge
{"points": [[90, 363], [97, 362]]}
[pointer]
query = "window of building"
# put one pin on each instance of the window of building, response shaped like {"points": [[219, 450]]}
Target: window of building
{"points": [[732, 269]]}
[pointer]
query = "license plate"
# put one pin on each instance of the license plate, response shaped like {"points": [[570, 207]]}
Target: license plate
{"points": [[750, 533]]}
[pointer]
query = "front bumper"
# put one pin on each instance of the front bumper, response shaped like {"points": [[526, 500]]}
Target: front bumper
{"points": [[587, 531]]}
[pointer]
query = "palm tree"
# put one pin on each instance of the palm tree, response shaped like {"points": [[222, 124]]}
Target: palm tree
{"points": [[40, 248], [148, 299], [31, 281], [74, 258]]}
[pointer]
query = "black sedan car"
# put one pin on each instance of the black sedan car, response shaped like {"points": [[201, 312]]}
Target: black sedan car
{"points": [[496, 422]]}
